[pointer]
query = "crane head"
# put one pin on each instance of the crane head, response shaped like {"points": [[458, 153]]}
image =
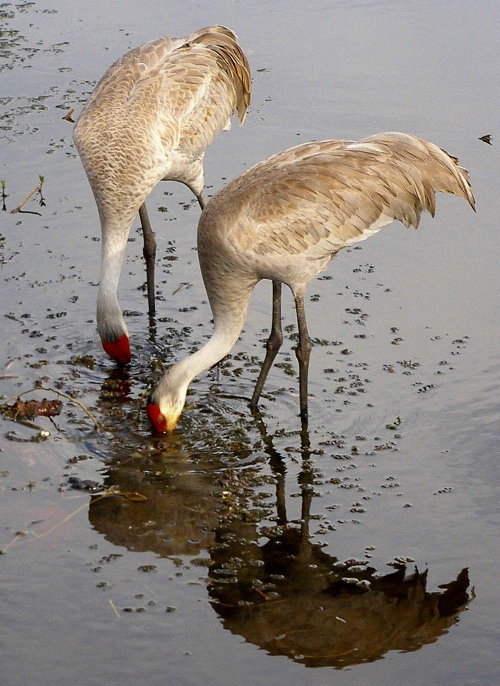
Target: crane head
{"points": [[119, 350], [162, 423]]}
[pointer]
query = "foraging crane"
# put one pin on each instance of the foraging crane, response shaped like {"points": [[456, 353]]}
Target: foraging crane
{"points": [[150, 118], [284, 219]]}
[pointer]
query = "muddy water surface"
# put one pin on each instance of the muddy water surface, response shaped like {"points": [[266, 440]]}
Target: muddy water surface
{"points": [[239, 550]]}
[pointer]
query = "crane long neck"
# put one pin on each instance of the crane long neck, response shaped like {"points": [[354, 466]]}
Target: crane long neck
{"points": [[110, 321], [228, 324]]}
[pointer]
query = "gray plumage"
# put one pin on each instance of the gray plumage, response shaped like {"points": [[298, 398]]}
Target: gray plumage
{"points": [[284, 219], [151, 118]]}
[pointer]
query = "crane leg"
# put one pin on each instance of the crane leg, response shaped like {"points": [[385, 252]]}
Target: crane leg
{"points": [[303, 352], [149, 252], [273, 343]]}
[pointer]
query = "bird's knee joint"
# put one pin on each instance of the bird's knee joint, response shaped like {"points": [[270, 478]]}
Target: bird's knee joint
{"points": [[274, 341], [149, 251], [303, 352]]}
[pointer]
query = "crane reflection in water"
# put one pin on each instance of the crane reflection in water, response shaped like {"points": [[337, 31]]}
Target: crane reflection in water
{"points": [[272, 585]]}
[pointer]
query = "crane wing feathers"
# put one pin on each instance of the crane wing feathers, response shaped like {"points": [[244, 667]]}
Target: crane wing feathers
{"points": [[196, 83], [232, 60], [320, 197]]}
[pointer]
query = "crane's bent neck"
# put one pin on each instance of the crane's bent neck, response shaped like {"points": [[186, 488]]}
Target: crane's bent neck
{"points": [[110, 321], [228, 323], [226, 333]]}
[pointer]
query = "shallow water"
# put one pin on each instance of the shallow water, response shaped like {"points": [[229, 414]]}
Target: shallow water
{"points": [[237, 550]]}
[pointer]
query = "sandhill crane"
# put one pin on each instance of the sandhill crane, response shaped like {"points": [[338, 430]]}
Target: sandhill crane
{"points": [[150, 118], [283, 220]]}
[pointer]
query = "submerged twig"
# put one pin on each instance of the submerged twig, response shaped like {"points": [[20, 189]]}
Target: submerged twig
{"points": [[114, 609], [36, 189], [4, 196], [64, 520], [45, 533]]}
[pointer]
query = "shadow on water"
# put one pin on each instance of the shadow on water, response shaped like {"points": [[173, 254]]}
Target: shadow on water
{"points": [[267, 580]]}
